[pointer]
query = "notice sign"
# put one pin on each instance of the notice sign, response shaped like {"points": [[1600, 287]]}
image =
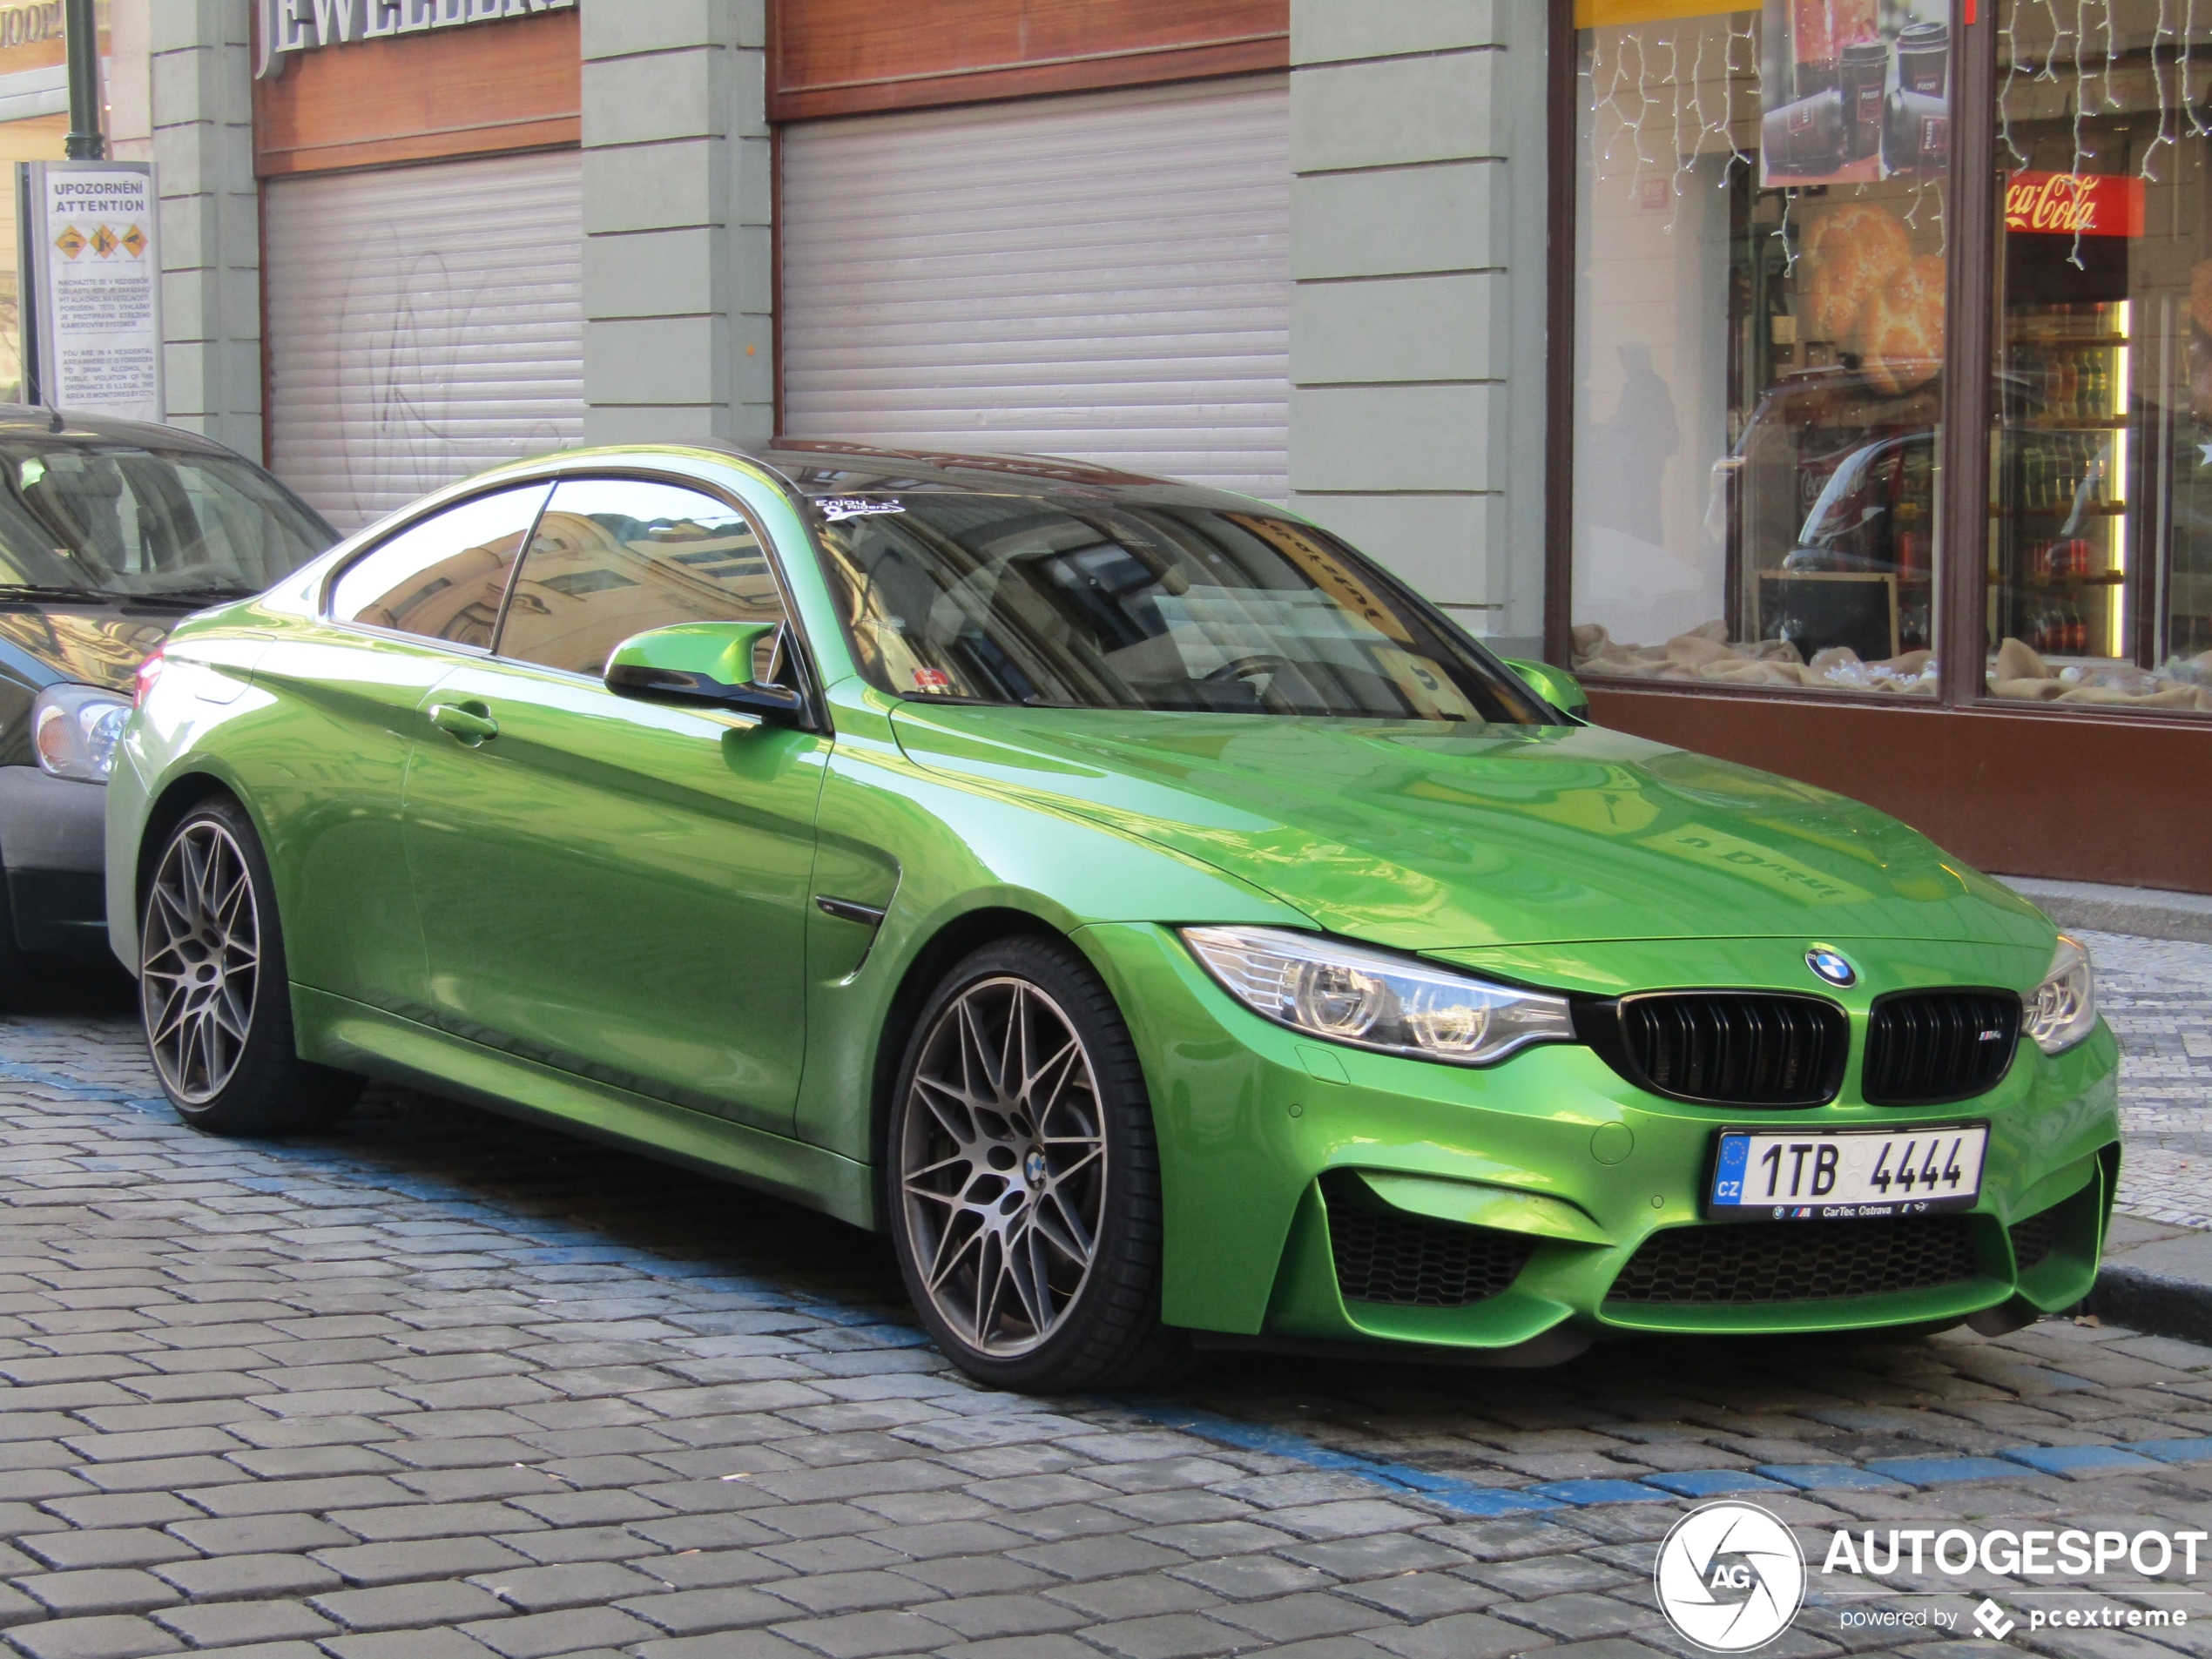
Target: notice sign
{"points": [[95, 312]]}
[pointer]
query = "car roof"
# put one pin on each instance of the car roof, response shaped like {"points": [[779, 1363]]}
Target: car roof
{"points": [[23, 420], [820, 467]]}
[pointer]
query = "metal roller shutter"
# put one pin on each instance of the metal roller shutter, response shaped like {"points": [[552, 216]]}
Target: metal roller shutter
{"points": [[424, 323], [1104, 276]]}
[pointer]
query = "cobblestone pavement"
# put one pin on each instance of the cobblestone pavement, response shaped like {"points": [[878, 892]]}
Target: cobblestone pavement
{"points": [[2157, 995], [440, 1386]]}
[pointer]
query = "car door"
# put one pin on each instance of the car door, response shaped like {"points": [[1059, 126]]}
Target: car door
{"points": [[611, 887], [397, 619]]}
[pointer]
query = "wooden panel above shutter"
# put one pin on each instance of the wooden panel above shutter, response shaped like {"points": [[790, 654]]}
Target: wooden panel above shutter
{"points": [[517, 85], [845, 56]]}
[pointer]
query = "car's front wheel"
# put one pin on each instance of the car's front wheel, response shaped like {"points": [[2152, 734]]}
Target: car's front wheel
{"points": [[212, 989], [1024, 1182]]}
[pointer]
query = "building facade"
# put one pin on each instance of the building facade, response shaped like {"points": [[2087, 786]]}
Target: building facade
{"points": [[1619, 326]]}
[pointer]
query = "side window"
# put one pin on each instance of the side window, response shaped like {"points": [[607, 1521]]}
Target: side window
{"points": [[615, 557], [444, 578]]}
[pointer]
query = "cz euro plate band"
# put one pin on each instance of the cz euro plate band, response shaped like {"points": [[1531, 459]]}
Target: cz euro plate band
{"points": [[1760, 1175]]}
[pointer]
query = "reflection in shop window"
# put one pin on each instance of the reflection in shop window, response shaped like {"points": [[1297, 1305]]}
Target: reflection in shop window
{"points": [[1759, 331], [2099, 565]]}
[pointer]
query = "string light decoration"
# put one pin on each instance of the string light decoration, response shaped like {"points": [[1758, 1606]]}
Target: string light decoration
{"points": [[1638, 97], [2164, 136]]}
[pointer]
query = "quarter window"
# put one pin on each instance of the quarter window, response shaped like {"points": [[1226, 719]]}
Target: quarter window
{"points": [[615, 557], [444, 578]]}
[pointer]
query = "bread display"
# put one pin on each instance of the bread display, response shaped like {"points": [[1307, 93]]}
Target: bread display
{"points": [[1854, 252], [1899, 332]]}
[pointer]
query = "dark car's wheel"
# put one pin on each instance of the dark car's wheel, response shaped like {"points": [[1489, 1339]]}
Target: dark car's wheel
{"points": [[1024, 1185], [212, 989]]}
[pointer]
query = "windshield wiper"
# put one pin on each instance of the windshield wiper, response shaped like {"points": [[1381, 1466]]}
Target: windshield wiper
{"points": [[191, 596], [31, 591]]}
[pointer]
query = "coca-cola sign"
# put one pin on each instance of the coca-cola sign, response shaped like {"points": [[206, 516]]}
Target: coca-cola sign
{"points": [[2069, 203]]}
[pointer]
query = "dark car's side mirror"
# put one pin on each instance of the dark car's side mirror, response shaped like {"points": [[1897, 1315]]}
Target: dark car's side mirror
{"points": [[1555, 686], [712, 664]]}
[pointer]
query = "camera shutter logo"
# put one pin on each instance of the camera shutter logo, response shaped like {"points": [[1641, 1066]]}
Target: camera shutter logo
{"points": [[1729, 1576]]}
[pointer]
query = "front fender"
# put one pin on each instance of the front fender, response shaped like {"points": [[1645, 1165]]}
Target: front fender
{"points": [[935, 851]]}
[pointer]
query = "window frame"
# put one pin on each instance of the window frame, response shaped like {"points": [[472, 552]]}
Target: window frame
{"points": [[325, 600], [801, 652]]}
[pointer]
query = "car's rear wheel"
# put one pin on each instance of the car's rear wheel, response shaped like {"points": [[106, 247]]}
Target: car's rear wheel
{"points": [[212, 990], [1024, 1180]]}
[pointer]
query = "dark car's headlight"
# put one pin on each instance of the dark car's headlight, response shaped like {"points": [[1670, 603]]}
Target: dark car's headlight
{"points": [[2062, 1010], [74, 729], [1371, 999]]}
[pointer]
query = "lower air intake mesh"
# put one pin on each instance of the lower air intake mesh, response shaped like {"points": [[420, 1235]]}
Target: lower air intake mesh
{"points": [[1386, 1255], [1798, 1261], [2035, 1238]]}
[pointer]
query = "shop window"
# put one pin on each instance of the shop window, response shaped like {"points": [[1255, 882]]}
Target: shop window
{"points": [[615, 556], [2100, 558], [442, 577], [1759, 324]]}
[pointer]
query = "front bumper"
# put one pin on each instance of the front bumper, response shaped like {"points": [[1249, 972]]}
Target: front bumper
{"points": [[1557, 1151], [52, 841]]}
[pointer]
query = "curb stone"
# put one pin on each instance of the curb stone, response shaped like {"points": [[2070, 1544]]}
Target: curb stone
{"points": [[2159, 1305]]}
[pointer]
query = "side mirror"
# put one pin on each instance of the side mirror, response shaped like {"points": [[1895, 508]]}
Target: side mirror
{"points": [[1555, 686], [711, 664]]}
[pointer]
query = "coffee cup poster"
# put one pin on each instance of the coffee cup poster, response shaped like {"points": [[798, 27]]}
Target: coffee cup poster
{"points": [[1855, 90]]}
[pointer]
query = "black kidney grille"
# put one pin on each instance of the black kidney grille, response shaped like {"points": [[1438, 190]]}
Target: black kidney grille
{"points": [[1798, 1261], [1736, 1048], [2035, 1238], [1927, 1047], [1385, 1255]]}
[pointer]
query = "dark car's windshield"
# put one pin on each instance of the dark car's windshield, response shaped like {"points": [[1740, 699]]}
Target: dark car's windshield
{"points": [[115, 519], [1080, 603]]}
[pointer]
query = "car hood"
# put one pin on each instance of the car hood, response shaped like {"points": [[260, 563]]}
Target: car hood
{"points": [[1452, 838], [94, 645]]}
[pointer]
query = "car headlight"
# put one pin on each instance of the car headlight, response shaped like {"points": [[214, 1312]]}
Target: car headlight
{"points": [[2062, 1010], [1372, 1000], [75, 727]]}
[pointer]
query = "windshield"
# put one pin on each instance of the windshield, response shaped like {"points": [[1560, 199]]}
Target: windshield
{"points": [[120, 521], [1111, 603]]}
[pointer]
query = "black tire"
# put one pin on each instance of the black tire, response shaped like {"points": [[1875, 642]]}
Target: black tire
{"points": [[1102, 1326], [215, 997]]}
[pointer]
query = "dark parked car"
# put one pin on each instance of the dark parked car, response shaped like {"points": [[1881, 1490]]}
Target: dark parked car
{"points": [[109, 532]]}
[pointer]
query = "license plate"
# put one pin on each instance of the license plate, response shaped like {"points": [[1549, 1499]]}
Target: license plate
{"points": [[1759, 1175]]}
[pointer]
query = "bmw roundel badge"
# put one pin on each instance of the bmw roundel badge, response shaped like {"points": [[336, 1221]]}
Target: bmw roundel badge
{"points": [[1832, 965]]}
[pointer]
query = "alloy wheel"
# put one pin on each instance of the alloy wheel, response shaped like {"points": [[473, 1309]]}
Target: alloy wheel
{"points": [[200, 961], [1002, 1166]]}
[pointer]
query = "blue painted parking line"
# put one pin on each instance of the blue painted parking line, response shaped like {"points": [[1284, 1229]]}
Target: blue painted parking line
{"points": [[1711, 1483], [1829, 1477], [1944, 1471], [1584, 1492], [2077, 1461], [2191, 1450], [1465, 1496]]}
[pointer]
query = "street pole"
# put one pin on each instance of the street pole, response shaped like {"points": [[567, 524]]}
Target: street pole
{"points": [[84, 142]]}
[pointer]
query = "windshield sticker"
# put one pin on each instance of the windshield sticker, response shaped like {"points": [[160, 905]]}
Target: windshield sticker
{"points": [[837, 508], [932, 679]]}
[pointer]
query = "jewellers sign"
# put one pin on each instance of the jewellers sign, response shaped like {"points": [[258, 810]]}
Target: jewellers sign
{"points": [[289, 26], [2069, 203]]}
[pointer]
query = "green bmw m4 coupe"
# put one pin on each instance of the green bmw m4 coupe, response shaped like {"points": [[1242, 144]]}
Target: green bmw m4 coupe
{"points": [[1171, 929]]}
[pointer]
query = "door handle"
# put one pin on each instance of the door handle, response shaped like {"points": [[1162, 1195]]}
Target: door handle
{"points": [[471, 725]]}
